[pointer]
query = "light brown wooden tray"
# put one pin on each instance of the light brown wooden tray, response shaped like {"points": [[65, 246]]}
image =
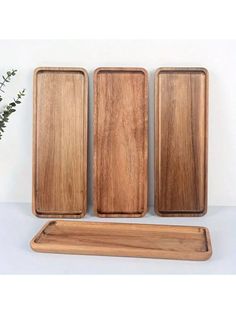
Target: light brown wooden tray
{"points": [[181, 135], [120, 142], [117, 239], [60, 142]]}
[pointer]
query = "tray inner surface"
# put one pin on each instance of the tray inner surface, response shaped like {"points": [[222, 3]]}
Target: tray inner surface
{"points": [[60, 137], [120, 152], [181, 142]]}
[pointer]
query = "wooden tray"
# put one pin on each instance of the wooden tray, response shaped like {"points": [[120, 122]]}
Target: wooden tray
{"points": [[181, 113], [120, 142], [117, 239], [60, 142]]}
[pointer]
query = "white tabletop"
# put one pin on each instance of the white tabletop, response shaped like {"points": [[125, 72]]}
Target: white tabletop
{"points": [[18, 226]]}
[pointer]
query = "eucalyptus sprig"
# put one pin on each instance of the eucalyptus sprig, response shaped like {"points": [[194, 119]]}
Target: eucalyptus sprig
{"points": [[6, 80], [10, 108]]}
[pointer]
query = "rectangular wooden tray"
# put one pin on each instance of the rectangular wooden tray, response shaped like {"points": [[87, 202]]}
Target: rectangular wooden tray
{"points": [[120, 142], [117, 239], [60, 142], [181, 135]]}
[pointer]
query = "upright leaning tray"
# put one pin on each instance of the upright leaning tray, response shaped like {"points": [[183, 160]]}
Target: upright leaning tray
{"points": [[60, 142], [120, 142], [181, 135]]}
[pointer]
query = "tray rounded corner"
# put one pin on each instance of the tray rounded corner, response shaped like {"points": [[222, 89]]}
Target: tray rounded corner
{"points": [[83, 213], [37, 214], [97, 70], [159, 70], [84, 71], [204, 70], [98, 213], [33, 245], [203, 212], [160, 214], [38, 70], [207, 232], [143, 213], [144, 71], [207, 255]]}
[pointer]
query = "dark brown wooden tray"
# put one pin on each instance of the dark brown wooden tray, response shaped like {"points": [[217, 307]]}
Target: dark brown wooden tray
{"points": [[120, 142], [60, 142], [181, 135], [117, 239]]}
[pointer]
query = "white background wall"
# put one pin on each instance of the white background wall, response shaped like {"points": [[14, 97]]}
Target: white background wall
{"points": [[219, 57]]}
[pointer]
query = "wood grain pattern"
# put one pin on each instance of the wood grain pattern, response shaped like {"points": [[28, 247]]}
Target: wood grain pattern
{"points": [[120, 142], [60, 142], [116, 239], [181, 111]]}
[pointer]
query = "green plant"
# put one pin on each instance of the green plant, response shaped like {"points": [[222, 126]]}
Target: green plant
{"points": [[7, 110]]}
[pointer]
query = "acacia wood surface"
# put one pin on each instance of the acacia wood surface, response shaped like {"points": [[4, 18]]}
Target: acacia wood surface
{"points": [[117, 239], [60, 142], [181, 110], [120, 142]]}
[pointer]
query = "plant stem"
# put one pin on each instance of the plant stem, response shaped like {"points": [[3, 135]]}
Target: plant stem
{"points": [[6, 79]]}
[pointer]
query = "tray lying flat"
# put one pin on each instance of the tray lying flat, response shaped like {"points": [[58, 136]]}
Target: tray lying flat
{"points": [[60, 142], [181, 110], [117, 239], [120, 142]]}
